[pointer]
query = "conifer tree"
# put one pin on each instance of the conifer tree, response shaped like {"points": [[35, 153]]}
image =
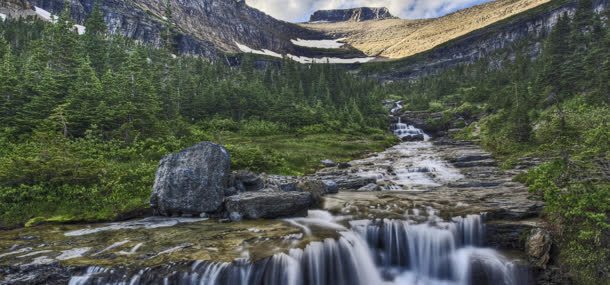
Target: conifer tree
{"points": [[10, 97], [84, 96], [95, 38]]}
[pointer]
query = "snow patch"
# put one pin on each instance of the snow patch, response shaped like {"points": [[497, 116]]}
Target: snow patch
{"points": [[325, 44], [2, 16], [44, 14], [303, 59], [80, 29], [247, 49]]}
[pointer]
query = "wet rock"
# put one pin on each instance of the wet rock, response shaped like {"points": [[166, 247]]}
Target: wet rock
{"points": [[192, 181], [248, 181], [281, 183], [469, 157], [328, 163], [344, 165], [538, 247], [268, 204], [231, 191], [317, 188], [48, 274], [331, 187], [353, 182], [369, 188], [477, 163], [413, 138]]}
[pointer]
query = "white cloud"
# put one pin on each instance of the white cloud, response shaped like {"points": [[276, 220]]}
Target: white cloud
{"points": [[300, 10]]}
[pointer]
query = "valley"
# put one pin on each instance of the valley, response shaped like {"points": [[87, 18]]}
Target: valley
{"points": [[206, 142]]}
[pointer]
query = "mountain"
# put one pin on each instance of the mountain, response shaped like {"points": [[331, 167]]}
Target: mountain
{"points": [[398, 38], [204, 27], [214, 27], [352, 15], [530, 27]]}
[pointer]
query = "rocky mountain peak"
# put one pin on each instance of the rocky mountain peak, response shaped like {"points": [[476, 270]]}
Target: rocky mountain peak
{"points": [[354, 15]]}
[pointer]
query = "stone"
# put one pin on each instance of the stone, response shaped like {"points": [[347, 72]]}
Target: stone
{"points": [[248, 181], [281, 183], [328, 163], [331, 187], [538, 247], [192, 181], [344, 165], [373, 187], [413, 138], [268, 204], [353, 182], [317, 188]]}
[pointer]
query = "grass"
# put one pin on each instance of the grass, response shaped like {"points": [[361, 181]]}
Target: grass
{"points": [[120, 188], [302, 154]]}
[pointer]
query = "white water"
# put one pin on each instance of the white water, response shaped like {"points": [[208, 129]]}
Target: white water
{"points": [[147, 223], [392, 252]]}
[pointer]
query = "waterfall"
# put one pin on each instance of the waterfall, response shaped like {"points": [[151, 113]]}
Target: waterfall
{"points": [[371, 252], [407, 132]]}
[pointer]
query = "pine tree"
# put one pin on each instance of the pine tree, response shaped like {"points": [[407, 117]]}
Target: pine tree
{"points": [[95, 39], [556, 51], [83, 99], [10, 97], [169, 31]]}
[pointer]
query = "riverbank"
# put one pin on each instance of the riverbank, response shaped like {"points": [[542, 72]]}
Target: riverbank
{"points": [[453, 179]]}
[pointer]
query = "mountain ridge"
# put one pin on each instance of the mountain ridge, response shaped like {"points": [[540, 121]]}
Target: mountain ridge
{"points": [[352, 15]]}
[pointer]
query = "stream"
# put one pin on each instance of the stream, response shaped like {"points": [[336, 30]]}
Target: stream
{"points": [[440, 213]]}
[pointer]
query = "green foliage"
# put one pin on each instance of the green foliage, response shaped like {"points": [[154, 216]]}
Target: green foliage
{"points": [[84, 119], [260, 128], [555, 107]]}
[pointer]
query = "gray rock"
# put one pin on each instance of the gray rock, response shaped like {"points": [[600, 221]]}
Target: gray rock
{"points": [[268, 204], [281, 183], [192, 181], [331, 187], [248, 181], [344, 165], [413, 137], [373, 187], [317, 188], [538, 247], [353, 182], [328, 163]]}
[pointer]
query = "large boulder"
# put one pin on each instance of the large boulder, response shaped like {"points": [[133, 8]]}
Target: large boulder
{"points": [[268, 205], [192, 181]]}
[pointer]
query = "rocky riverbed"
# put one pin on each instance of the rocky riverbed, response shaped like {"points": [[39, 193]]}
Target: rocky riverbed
{"points": [[426, 182]]}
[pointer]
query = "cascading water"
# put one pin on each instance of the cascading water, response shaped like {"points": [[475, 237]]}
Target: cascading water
{"points": [[407, 132], [371, 252]]}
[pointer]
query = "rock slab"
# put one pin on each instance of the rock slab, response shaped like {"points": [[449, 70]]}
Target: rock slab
{"points": [[268, 205], [192, 181]]}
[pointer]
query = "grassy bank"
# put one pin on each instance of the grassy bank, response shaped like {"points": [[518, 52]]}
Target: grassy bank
{"points": [[58, 180]]}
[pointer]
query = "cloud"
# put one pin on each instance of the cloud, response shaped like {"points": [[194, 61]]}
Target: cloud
{"points": [[300, 10]]}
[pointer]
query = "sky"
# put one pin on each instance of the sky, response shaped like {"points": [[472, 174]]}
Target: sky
{"points": [[300, 10]]}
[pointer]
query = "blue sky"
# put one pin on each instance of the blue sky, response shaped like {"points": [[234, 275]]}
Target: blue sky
{"points": [[300, 10]]}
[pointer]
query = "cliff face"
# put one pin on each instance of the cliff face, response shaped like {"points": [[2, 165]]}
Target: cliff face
{"points": [[533, 26], [352, 15], [205, 27]]}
